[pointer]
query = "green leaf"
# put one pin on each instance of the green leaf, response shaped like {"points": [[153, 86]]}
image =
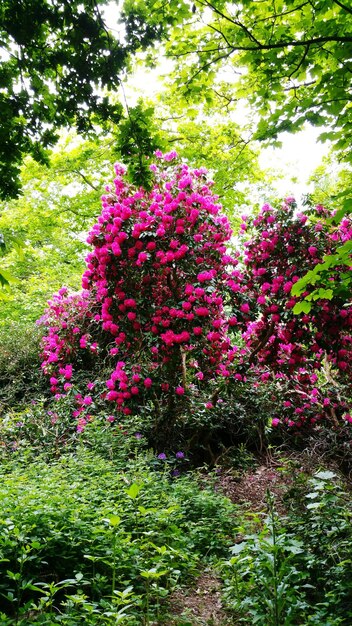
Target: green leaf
{"points": [[6, 278], [238, 547], [134, 490], [114, 520], [327, 475], [302, 307]]}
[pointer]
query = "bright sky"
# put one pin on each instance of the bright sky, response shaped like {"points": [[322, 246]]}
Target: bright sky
{"points": [[299, 156]]}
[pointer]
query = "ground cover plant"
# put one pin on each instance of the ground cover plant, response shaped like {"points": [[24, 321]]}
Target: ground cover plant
{"points": [[294, 569], [83, 541]]}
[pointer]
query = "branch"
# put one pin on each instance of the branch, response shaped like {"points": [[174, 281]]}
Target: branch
{"points": [[235, 22], [294, 87], [77, 213], [276, 15], [207, 65], [184, 370], [280, 44], [301, 62], [82, 176], [343, 6], [262, 342], [286, 44]]}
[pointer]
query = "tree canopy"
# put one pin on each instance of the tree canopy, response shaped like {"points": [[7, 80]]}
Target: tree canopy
{"points": [[290, 61], [58, 61]]}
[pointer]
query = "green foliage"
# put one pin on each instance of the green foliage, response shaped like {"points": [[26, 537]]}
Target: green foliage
{"points": [[57, 64], [289, 63], [81, 541], [137, 139], [295, 570], [20, 374], [218, 144], [44, 228], [330, 278]]}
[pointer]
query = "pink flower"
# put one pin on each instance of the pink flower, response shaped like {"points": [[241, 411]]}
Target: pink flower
{"points": [[180, 390], [147, 382], [202, 311], [197, 330], [130, 302], [170, 156], [275, 422], [142, 257], [204, 276], [287, 286]]}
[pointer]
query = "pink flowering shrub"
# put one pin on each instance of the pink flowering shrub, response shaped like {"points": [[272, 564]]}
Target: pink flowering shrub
{"points": [[172, 323], [152, 305], [308, 354]]}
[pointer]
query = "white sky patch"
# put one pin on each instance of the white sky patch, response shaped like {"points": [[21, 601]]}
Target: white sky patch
{"points": [[296, 160]]}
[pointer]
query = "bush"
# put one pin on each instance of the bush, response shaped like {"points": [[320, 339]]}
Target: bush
{"points": [[169, 323], [295, 570], [21, 378]]}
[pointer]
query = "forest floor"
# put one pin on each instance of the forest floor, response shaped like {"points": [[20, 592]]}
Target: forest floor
{"points": [[202, 604]]}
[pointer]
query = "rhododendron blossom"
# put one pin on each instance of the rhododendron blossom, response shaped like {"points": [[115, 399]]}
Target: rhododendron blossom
{"points": [[153, 292], [295, 347], [167, 309]]}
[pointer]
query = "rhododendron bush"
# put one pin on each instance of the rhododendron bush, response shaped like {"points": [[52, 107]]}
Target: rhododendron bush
{"points": [[169, 319], [309, 354]]}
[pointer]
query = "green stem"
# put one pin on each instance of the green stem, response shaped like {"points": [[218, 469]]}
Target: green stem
{"points": [[113, 582]]}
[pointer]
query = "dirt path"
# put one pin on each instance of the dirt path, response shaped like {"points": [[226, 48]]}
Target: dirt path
{"points": [[202, 604]]}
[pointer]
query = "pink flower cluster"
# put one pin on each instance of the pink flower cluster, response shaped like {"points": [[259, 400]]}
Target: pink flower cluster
{"points": [[155, 286], [166, 310], [296, 348]]}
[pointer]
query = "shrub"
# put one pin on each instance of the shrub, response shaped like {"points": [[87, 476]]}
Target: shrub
{"points": [[170, 326], [295, 570], [20, 376]]}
